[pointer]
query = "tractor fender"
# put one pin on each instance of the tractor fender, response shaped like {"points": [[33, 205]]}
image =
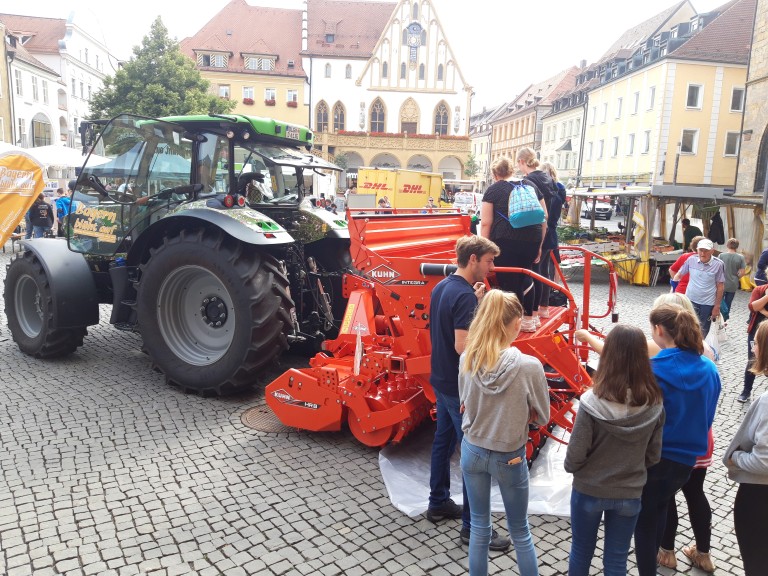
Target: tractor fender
{"points": [[251, 228], [73, 291]]}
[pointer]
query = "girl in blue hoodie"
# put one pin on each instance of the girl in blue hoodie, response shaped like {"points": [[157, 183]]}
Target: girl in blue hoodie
{"points": [[691, 386], [616, 437], [501, 390]]}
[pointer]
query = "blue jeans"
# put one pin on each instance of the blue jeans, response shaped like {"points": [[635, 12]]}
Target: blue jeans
{"points": [[479, 465], [39, 231], [704, 312], [447, 434], [728, 297], [620, 518], [664, 480]]}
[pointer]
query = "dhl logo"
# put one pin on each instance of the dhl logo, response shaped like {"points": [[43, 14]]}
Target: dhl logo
{"points": [[413, 189], [376, 186]]}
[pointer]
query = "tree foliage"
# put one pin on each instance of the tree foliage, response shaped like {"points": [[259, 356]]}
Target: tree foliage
{"points": [[471, 167], [158, 80]]}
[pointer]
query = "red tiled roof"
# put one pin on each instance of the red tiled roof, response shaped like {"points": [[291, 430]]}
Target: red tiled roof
{"points": [[726, 39], [356, 27], [45, 32], [22, 54], [240, 28]]}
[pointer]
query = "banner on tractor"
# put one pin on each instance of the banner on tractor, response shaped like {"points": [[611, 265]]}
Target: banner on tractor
{"points": [[21, 181]]}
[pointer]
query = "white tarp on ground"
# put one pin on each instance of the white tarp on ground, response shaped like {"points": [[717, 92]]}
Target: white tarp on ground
{"points": [[405, 469]]}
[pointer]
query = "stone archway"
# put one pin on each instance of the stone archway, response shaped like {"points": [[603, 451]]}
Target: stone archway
{"points": [[420, 162], [451, 167], [385, 160]]}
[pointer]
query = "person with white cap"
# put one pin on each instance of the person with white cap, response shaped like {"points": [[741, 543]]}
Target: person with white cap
{"points": [[706, 284]]}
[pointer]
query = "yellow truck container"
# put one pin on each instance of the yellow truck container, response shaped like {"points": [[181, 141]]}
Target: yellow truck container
{"points": [[403, 188]]}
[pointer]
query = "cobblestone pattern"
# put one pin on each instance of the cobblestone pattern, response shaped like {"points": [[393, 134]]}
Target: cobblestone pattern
{"points": [[106, 470]]}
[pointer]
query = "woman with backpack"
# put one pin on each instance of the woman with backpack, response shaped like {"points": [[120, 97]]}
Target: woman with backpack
{"points": [[520, 247], [546, 266]]}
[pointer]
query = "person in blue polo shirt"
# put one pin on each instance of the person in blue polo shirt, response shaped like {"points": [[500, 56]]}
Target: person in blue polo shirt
{"points": [[706, 283], [452, 307]]}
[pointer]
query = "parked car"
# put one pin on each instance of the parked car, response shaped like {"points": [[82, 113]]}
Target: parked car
{"points": [[602, 210]]}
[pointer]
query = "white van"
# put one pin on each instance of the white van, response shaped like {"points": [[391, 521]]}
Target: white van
{"points": [[466, 200]]}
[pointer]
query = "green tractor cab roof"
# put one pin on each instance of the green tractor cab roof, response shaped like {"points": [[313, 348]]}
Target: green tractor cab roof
{"points": [[246, 127]]}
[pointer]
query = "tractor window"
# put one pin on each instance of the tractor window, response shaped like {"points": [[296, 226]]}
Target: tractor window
{"points": [[213, 168]]}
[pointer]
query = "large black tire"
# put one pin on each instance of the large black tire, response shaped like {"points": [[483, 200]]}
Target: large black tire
{"points": [[212, 311], [29, 309]]}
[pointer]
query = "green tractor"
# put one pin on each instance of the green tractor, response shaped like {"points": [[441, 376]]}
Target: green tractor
{"points": [[200, 232]]}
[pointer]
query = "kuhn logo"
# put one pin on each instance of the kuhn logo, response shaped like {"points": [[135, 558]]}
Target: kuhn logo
{"points": [[384, 274], [283, 396], [413, 189]]}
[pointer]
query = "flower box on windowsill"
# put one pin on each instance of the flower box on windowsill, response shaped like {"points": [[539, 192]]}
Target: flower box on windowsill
{"points": [[292, 104], [248, 101], [269, 102]]}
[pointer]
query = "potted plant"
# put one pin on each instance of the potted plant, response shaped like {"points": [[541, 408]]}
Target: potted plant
{"points": [[248, 101], [270, 102], [292, 104]]}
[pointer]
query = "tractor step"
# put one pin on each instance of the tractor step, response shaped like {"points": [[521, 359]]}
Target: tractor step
{"points": [[125, 326]]}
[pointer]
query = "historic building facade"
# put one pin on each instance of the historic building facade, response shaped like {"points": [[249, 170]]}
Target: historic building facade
{"points": [[385, 87], [258, 66]]}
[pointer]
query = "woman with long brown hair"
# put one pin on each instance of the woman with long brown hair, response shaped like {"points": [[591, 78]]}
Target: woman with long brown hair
{"points": [[502, 390], [691, 386], [616, 436]]}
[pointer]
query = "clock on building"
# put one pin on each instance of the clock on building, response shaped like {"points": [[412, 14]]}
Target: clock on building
{"points": [[413, 32]]}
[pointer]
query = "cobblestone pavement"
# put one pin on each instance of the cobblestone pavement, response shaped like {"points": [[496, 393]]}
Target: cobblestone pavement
{"points": [[106, 470]]}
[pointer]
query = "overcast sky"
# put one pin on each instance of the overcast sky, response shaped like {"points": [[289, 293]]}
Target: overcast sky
{"points": [[501, 46]]}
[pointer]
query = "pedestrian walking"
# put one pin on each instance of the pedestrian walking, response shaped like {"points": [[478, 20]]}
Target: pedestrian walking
{"points": [[747, 462], [706, 284], [735, 268], [690, 384], [452, 306], [758, 311], [501, 391], [680, 286], [41, 217], [615, 438]]}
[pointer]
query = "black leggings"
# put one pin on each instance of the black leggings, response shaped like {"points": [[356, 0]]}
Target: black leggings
{"points": [[750, 511], [518, 254], [699, 513]]}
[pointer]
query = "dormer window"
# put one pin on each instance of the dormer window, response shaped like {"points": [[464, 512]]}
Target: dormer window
{"points": [[212, 60], [259, 63]]}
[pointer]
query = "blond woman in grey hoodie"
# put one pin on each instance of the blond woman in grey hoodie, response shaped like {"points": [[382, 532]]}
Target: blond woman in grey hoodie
{"points": [[501, 391]]}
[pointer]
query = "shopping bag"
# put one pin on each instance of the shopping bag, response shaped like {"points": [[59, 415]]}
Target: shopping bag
{"points": [[713, 339]]}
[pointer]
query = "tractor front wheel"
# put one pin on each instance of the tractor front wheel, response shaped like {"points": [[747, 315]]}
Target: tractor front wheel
{"points": [[212, 311], [30, 311]]}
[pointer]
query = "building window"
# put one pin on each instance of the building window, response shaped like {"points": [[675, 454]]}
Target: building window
{"points": [[86, 55], [45, 91], [212, 61], [348, 72], [82, 90], [330, 38], [737, 100], [270, 94], [570, 127], [562, 130], [35, 89], [22, 129], [41, 131], [635, 102], [97, 67], [615, 147], [248, 92], [402, 71], [732, 143], [19, 86], [338, 117], [440, 72], [695, 93], [421, 71], [646, 141], [292, 96], [327, 70], [605, 112], [74, 87], [594, 116], [441, 119], [651, 97], [578, 127], [619, 103], [89, 92], [385, 70], [377, 116], [630, 144], [415, 11], [589, 150], [321, 117], [600, 147], [224, 91], [689, 143]]}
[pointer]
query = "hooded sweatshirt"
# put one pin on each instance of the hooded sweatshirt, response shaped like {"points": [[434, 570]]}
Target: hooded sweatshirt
{"points": [[612, 445], [498, 402], [691, 386], [748, 452]]}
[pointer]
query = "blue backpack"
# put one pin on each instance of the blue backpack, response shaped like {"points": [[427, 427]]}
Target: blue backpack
{"points": [[524, 208]]}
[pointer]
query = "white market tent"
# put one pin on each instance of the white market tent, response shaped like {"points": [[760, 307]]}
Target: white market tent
{"points": [[62, 156]]}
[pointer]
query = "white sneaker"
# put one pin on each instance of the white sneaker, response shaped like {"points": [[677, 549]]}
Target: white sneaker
{"points": [[537, 322], [528, 325], [544, 311]]}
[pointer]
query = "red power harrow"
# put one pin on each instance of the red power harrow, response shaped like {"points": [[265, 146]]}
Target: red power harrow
{"points": [[375, 375]]}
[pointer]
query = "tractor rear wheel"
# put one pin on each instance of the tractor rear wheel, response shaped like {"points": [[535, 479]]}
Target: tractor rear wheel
{"points": [[212, 311], [30, 311]]}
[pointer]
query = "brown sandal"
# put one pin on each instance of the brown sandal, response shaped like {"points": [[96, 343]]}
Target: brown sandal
{"points": [[666, 558], [701, 560]]}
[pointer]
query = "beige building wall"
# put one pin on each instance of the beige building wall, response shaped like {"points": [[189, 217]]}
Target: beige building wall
{"points": [[261, 86], [755, 129], [556, 132]]}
